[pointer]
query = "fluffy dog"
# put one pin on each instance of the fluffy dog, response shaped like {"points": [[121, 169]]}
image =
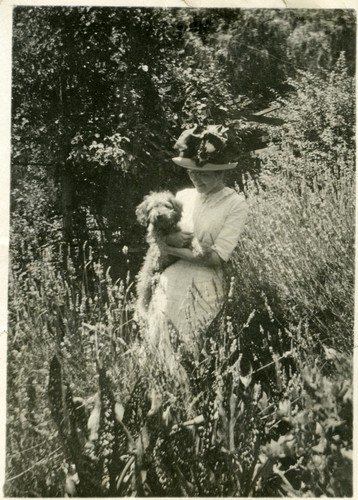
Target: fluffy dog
{"points": [[160, 212]]}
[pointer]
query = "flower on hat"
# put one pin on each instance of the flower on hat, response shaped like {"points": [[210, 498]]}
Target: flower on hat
{"points": [[211, 144]]}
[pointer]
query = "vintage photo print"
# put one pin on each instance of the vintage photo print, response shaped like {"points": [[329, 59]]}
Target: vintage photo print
{"points": [[177, 249]]}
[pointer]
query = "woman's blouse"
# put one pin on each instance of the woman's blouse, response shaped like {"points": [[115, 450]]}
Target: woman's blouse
{"points": [[216, 219]]}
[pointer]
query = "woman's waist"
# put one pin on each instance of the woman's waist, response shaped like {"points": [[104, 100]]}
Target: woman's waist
{"points": [[190, 268]]}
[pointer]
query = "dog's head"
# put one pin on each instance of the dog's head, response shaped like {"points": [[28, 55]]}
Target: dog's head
{"points": [[161, 209]]}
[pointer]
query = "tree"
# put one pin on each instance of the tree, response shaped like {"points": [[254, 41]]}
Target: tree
{"points": [[259, 49], [89, 99]]}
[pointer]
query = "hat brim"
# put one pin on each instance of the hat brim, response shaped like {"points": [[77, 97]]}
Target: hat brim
{"points": [[190, 164]]}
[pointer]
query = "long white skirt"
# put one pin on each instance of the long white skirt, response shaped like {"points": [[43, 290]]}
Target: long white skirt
{"points": [[185, 301]]}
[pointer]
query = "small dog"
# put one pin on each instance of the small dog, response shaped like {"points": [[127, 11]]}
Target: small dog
{"points": [[160, 212]]}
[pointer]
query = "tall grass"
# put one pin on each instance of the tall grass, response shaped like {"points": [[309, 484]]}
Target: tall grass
{"points": [[263, 415], [52, 312], [299, 246]]}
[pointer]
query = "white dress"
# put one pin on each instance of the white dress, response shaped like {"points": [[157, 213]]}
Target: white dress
{"points": [[188, 295]]}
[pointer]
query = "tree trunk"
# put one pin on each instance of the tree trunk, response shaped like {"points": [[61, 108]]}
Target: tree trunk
{"points": [[67, 210]]}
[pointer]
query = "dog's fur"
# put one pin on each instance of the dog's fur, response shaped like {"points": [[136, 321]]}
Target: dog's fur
{"points": [[160, 212]]}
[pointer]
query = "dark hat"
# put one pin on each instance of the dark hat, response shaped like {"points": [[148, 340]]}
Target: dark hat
{"points": [[209, 148]]}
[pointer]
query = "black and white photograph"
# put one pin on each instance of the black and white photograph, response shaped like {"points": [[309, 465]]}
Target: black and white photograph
{"points": [[180, 276]]}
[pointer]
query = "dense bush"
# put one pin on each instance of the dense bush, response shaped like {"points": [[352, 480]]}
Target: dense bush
{"points": [[319, 133]]}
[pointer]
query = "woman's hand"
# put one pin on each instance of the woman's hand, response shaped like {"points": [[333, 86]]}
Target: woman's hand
{"points": [[208, 259], [180, 239]]}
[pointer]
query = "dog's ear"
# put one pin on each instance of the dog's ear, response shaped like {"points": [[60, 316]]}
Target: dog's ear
{"points": [[142, 212]]}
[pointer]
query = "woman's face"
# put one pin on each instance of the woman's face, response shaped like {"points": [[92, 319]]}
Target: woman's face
{"points": [[206, 182]]}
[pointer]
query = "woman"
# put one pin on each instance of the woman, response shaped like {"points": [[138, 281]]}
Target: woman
{"points": [[191, 291]]}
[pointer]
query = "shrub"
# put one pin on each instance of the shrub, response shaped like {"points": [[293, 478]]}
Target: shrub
{"points": [[319, 133]]}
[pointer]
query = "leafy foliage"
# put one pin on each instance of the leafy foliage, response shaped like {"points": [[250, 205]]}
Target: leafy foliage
{"points": [[324, 139], [261, 48], [93, 75]]}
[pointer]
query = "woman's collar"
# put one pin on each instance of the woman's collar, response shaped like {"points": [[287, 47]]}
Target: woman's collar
{"points": [[217, 196]]}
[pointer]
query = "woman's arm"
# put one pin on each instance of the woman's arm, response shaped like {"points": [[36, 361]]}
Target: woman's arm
{"points": [[179, 239], [209, 258], [229, 234]]}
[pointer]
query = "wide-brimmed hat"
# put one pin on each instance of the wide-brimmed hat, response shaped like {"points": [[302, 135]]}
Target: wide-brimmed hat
{"points": [[209, 148]]}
